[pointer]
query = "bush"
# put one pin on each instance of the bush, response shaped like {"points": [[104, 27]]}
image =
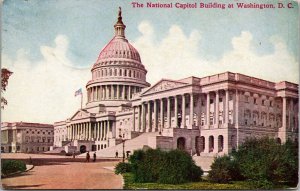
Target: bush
{"points": [[122, 167], [268, 163], [154, 165], [224, 169], [12, 166]]}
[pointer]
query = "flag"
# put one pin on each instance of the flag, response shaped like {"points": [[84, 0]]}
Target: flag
{"points": [[78, 92]]}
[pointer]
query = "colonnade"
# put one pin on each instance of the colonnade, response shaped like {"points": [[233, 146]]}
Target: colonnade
{"points": [[111, 92], [161, 111], [87, 131]]}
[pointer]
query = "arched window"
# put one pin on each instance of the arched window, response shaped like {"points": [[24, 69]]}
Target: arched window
{"points": [[115, 74], [120, 72], [101, 73], [129, 73], [125, 73], [134, 73], [110, 72]]}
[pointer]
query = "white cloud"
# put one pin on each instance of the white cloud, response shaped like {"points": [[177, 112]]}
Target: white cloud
{"points": [[43, 91], [177, 56]]}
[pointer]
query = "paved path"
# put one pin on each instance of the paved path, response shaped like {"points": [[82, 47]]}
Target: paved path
{"points": [[67, 175]]}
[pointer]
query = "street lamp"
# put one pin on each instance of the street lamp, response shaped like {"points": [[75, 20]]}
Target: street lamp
{"points": [[123, 141]]}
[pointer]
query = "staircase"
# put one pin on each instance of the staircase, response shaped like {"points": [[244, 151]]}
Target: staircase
{"points": [[130, 145]]}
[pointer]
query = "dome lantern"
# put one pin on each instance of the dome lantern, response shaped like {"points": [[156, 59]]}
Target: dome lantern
{"points": [[119, 26]]}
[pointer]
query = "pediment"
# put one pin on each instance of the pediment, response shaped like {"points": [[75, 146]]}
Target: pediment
{"points": [[163, 85], [80, 114]]}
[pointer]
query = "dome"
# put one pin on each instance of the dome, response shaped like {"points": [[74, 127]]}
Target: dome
{"points": [[119, 48]]}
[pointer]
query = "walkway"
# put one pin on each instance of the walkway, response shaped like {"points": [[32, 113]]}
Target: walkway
{"points": [[66, 175]]}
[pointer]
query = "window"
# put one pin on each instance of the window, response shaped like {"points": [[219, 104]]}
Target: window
{"points": [[247, 99], [263, 102], [246, 122], [254, 101], [271, 103], [211, 101], [211, 121], [220, 99], [202, 103]]}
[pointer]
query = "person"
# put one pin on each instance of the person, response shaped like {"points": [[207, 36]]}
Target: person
{"points": [[127, 154], [117, 154], [73, 154], [94, 157], [88, 157]]}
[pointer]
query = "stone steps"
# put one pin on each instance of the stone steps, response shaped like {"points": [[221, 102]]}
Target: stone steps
{"points": [[130, 145]]}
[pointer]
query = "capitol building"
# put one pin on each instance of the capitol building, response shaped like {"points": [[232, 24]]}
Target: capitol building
{"points": [[206, 116]]}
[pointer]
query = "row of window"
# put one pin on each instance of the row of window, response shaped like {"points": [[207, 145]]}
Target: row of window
{"points": [[117, 72], [38, 132]]}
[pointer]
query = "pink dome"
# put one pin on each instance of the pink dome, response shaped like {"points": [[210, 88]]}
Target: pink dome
{"points": [[119, 48]]}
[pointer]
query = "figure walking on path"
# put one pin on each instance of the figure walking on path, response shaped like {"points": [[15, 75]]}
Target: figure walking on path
{"points": [[94, 157], [73, 154], [117, 154], [88, 157]]}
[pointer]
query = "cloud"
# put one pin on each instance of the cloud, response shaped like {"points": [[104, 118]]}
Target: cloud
{"points": [[176, 56], [43, 91]]}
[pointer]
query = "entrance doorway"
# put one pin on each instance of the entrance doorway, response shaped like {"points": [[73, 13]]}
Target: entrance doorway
{"points": [[181, 143], [82, 149]]}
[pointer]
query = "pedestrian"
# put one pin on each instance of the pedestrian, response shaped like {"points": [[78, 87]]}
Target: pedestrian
{"points": [[127, 154], [94, 157], [117, 154], [73, 154], [88, 157]]}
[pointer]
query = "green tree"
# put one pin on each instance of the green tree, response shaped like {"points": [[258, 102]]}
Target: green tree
{"points": [[5, 74]]}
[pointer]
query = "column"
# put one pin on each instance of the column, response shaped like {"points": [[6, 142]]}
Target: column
{"points": [[176, 111], [207, 109], [129, 92], [199, 111], [155, 116], [90, 131], [284, 106], [217, 109], [161, 114], [118, 91], [191, 110], [106, 130], [149, 116], [139, 118], [101, 130], [133, 119], [236, 116], [72, 132], [143, 118], [168, 112], [183, 121], [226, 106], [123, 96]]}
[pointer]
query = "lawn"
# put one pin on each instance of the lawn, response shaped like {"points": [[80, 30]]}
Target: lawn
{"points": [[237, 185]]}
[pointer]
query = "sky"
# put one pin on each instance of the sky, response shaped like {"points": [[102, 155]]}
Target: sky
{"points": [[51, 45]]}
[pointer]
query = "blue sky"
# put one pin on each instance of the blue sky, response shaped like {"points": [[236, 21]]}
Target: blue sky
{"points": [[51, 45]]}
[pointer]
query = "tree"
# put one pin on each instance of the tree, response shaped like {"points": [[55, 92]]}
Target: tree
{"points": [[5, 74]]}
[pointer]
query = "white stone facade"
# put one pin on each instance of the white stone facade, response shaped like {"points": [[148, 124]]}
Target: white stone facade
{"points": [[26, 137], [206, 116]]}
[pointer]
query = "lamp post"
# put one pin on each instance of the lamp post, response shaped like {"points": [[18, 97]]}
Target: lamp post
{"points": [[123, 141]]}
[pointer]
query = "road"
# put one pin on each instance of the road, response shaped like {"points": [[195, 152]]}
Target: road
{"points": [[63, 173]]}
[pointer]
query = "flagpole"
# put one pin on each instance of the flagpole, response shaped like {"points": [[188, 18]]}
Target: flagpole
{"points": [[81, 101]]}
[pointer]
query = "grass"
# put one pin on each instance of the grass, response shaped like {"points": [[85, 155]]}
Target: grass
{"points": [[202, 185]]}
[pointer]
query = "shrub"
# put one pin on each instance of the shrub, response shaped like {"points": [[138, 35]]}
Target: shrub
{"points": [[154, 165], [268, 163], [146, 164], [122, 167], [11, 166], [224, 169]]}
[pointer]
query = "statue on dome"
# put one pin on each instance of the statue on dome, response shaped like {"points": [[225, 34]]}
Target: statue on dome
{"points": [[120, 12]]}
